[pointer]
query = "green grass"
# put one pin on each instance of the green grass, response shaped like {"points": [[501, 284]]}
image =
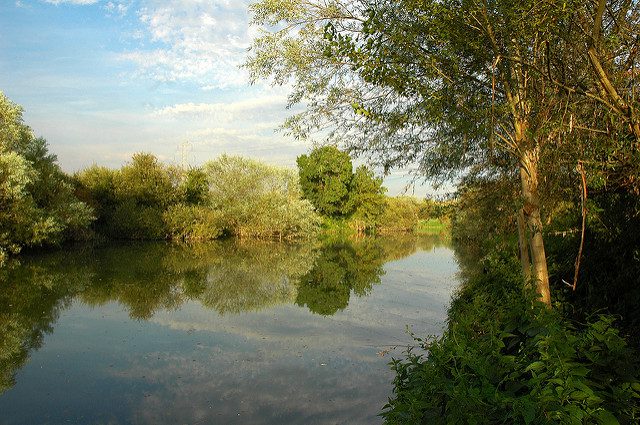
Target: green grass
{"points": [[432, 226]]}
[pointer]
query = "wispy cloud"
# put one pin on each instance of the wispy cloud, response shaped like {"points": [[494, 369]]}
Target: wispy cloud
{"points": [[194, 41], [119, 8], [242, 106], [76, 2]]}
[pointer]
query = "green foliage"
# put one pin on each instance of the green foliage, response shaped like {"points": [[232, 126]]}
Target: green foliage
{"points": [[257, 200], [129, 202], [37, 203], [366, 199], [609, 278], [231, 195], [506, 359], [194, 188], [400, 215], [15, 174], [325, 179], [145, 181], [430, 226], [191, 223], [485, 210], [340, 195], [96, 186]]}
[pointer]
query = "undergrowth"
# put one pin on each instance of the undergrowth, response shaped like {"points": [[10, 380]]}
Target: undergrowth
{"points": [[506, 359]]}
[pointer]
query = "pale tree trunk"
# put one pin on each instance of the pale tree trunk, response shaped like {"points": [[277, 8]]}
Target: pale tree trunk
{"points": [[526, 150], [531, 209], [523, 245]]}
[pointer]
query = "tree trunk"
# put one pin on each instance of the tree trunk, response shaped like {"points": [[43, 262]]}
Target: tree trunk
{"points": [[523, 245], [531, 209]]}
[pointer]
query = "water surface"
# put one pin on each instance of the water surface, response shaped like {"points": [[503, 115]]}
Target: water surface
{"points": [[223, 333]]}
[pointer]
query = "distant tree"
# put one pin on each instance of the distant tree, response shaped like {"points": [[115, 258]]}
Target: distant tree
{"points": [[400, 214], [325, 178], [366, 198], [194, 187], [96, 186], [146, 181], [258, 200]]}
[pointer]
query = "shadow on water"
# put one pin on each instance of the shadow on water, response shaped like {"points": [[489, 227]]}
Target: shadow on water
{"points": [[228, 277]]}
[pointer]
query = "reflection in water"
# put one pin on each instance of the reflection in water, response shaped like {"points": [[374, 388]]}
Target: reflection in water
{"points": [[228, 277], [31, 299], [339, 269]]}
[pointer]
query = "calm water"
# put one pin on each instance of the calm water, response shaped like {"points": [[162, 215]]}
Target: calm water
{"points": [[225, 333]]}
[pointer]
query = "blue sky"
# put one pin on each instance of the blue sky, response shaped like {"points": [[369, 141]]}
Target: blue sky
{"points": [[103, 79]]}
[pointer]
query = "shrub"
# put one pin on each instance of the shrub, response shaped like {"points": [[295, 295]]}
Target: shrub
{"points": [[260, 201], [190, 223], [400, 215], [506, 359]]}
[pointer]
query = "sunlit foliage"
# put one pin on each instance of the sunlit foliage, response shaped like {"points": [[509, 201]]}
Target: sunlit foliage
{"points": [[257, 200], [37, 202]]}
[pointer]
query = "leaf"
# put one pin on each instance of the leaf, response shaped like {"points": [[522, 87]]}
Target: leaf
{"points": [[605, 417], [535, 366]]}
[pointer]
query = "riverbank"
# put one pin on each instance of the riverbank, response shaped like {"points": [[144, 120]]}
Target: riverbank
{"points": [[506, 358]]}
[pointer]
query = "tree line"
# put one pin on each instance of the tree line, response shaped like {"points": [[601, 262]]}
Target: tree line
{"points": [[148, 200]]}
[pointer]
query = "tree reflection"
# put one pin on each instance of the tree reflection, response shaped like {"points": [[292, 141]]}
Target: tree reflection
{"points": [[31, 299], [244, 276], [133, 275], [340, 268], [228, 276]]}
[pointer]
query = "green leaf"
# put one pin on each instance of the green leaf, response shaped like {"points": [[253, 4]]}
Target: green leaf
{"points": [[535, 366], [605, 417]]}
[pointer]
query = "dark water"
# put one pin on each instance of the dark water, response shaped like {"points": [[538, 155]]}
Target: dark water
{"points": [[225, 333]]}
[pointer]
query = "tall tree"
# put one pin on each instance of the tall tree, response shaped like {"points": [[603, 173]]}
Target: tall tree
{"points": [[439, 83], [325, 179]]}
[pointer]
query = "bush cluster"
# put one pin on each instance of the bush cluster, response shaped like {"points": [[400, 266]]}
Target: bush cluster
{"points": [[37, 203], [504, 358], [146, 199]]}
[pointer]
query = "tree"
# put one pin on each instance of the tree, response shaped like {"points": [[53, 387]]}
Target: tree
{"points": [[37, 203], [325, 179], [194, 187], [258, 200], [455, 86], [366, 199]]}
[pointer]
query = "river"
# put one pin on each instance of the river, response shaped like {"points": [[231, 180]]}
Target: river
{"points": [[223, 333]]}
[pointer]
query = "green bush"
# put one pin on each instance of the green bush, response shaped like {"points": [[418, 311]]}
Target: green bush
{"points": [[190, 223], [506, 359], [399, 215], [37, 203], [131, 220], [259, 201]]}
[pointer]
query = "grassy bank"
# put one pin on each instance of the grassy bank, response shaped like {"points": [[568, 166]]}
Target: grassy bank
{"points": [[432, 226], [504, 358]]}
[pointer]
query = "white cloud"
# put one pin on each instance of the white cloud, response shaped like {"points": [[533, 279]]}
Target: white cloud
{"points": [[201, 42], [76, 2], [119, 8], [267, 103]]}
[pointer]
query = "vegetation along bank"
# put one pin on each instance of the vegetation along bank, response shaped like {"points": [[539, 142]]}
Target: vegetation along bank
{"points": [[229, 196], [532, 109]]}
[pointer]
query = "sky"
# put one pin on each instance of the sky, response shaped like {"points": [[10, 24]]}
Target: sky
{"points": [[103, 79]]}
